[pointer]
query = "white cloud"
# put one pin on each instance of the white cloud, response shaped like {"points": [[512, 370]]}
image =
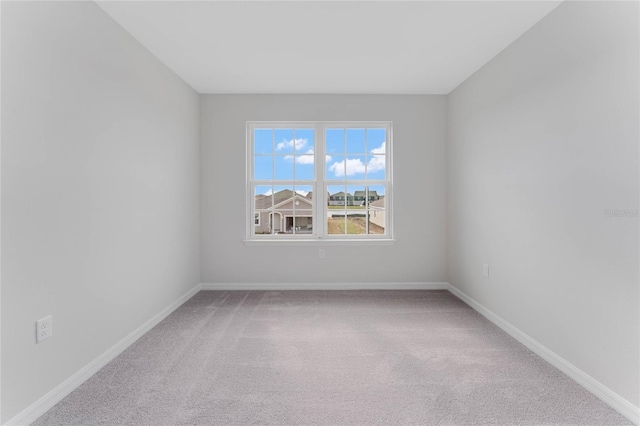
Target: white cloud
{"points": [[356, 166], [379, 150], [353, 165], [299, 143], [305, 159], [377, 162]]}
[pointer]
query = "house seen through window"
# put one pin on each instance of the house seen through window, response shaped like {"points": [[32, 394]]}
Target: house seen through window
{"points": [[319, 180]]}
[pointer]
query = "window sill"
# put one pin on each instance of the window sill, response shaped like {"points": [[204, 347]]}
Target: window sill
{"points": [[318, 242]]}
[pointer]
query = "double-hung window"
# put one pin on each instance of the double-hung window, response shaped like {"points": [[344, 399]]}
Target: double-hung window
{"points": [[319, 181]]}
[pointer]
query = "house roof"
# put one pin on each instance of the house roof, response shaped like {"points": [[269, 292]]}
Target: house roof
{"points": [[362, 193], [297, 198], [267, 201], [377, 203]]}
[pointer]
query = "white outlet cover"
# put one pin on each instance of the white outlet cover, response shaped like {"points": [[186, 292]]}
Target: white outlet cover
{"points": [[44, 329]]}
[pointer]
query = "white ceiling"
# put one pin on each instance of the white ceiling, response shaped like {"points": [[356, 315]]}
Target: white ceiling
{"points": [[418, 47]]}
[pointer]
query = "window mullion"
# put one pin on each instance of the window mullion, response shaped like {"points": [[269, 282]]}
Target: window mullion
{"points": [[293, 186], [319, 207]]}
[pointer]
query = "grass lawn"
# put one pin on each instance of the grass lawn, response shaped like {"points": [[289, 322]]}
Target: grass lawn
{"points": [[336, 226], [348, 207], [355, 226]]}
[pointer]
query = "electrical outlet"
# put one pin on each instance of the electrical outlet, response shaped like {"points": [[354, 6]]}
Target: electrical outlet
{"points": [[485, 270], [321, 254], [44, 329]]}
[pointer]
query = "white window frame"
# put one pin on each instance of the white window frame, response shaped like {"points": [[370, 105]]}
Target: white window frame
{"points": [[319, 186], [256, 215]]}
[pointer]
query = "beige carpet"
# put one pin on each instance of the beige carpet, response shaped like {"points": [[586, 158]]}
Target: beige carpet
{"points": [[329, 358]]}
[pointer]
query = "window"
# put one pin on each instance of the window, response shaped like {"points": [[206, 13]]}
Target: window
{"points": [[319, 181]]}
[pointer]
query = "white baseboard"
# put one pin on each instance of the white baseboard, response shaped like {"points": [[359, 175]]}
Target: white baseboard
{"points": [[611, 398], [45, 403], [326, 286]]}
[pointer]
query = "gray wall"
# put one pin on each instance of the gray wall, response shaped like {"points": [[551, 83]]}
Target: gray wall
{"points": [[541, 141], [99, 191], [419, 254]]}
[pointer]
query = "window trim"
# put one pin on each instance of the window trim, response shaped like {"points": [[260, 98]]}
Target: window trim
{"points": [[319, 185]]}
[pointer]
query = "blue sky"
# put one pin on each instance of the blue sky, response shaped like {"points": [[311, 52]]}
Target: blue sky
{"points": [[356, 153]]}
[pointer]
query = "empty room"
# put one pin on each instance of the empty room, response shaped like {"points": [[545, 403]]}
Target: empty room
{"points": [[320, 212]]}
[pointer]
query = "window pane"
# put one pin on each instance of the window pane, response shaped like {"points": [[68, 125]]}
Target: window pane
{"points": [[358, 196], [336, 222], [263, 141], [284, 141], [376, 161], [334, 141], [376, 194], [304, 199], [263, 200], [355, 141], [302, 223], [306, 141], [328, 159], [261, 223], [263, 193], [263, 167], [356, 222], [376, 167], [336, 209], [301, 205], [275, 223], [335, 167], [337, 196], [355, 167], [376, 220], [375, 139], [304, 167], [284, 167], [282, 193], [282, 207]]}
